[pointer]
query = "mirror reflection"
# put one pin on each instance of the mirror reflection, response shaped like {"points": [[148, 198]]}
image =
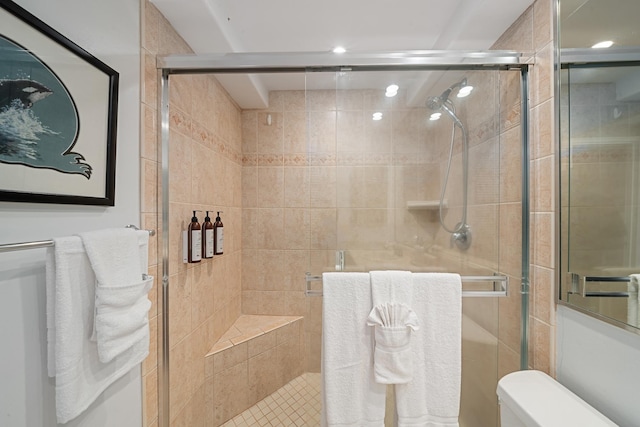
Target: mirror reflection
{"points": [[600, 157]]}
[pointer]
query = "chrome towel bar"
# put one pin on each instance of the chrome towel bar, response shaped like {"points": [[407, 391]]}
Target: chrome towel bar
{"points": [[10, 247], [576, 288], [500, 286]]}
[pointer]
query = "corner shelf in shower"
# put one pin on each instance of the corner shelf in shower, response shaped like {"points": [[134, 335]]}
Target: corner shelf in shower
{"points": [[425, 205]]}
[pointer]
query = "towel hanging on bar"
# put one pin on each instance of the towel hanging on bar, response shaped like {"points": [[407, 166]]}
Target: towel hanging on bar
{"points": [[11, 247], [501, 291]]}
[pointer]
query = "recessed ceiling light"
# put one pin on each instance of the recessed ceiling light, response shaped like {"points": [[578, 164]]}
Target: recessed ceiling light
{"points": [[377, 116], [339, 49], [392, 90], [603, 45]]}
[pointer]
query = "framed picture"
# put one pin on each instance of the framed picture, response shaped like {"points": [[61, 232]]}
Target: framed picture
{"points": [[58, 111]]}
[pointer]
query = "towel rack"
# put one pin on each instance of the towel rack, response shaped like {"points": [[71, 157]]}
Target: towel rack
{"points": [[10, 247], [500, 286], [574, 281]]}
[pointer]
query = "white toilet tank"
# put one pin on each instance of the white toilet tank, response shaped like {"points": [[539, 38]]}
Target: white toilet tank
{"points": [[534, 399]]}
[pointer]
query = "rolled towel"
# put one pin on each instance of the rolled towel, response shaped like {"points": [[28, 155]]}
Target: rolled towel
{"points": [[392, 357]]}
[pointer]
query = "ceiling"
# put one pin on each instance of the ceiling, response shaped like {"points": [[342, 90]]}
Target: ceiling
{"points": [[223, 26]]}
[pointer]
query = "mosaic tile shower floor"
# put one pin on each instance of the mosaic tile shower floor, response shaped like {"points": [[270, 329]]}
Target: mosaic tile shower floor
{"points": [[296, 404]]}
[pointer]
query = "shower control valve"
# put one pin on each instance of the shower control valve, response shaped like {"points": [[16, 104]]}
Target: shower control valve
{"points": [[461, 237]]}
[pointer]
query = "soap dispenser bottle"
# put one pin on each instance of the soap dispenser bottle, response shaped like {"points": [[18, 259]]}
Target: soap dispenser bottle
{"points": [[207, 237], [218, 235], [194, 236]]}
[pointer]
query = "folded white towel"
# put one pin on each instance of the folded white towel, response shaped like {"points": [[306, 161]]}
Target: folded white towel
{"points": [[350, 395], [393, 358], [391, 286], [73, 359], [121, 303], [115, 255], [432, 399], [119, 322], [633, 316], [390, 314], [393, 320]]}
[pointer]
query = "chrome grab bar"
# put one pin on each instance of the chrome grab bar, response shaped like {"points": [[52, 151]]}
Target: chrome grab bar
{"points": [[579, 285], [500, 286]]}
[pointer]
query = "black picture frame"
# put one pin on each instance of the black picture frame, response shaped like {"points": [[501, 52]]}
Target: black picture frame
{"points": [[58, 116]]}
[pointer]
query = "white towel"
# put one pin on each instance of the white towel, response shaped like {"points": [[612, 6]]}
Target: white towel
{"points": [[50, 288], [115, 255], [121, 317], [350, 395], [632, 302], [121, 303], [394, 321], [80, 377], [432, 399], [391, 286], [393, 356]]}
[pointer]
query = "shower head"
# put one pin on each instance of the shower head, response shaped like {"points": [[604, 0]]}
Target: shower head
{"points": [[436, 102], [443, 103]]}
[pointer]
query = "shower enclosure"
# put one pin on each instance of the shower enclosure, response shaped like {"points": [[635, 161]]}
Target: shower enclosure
{"points": [[340, 173]]}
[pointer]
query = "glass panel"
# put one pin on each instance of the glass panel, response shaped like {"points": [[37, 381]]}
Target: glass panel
{"points": [[391, 167], [321, 175], [601, 159]]}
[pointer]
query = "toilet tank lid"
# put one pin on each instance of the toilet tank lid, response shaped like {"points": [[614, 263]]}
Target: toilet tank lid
{"points": [[539, 400]]}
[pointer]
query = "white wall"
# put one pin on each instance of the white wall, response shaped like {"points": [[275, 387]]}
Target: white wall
{"points": [[601, 364], [109, 30]]}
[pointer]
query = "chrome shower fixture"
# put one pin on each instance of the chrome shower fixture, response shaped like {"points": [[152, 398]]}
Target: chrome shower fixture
{"points": [[440, 103], [435, 102], [461, 233], [443, 103]]}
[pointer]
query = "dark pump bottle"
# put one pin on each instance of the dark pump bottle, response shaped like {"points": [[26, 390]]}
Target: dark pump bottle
{"points": [[194, 236], [218, 236], [207, 237]]}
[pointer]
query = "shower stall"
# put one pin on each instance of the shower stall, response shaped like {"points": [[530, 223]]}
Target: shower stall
{"points": [[406, 160]]}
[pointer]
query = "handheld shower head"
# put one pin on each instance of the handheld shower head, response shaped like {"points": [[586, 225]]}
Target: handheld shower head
{"points": [[453, 115], [445, 95], [436, 102], [443, 103]]}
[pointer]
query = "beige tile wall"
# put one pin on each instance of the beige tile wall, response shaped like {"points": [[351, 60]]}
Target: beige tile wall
{"points": [[204, 174], [533, 33], [240, 372]]}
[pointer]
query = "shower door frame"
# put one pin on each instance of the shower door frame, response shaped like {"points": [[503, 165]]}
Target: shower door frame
{"points": [[297, 62]]}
